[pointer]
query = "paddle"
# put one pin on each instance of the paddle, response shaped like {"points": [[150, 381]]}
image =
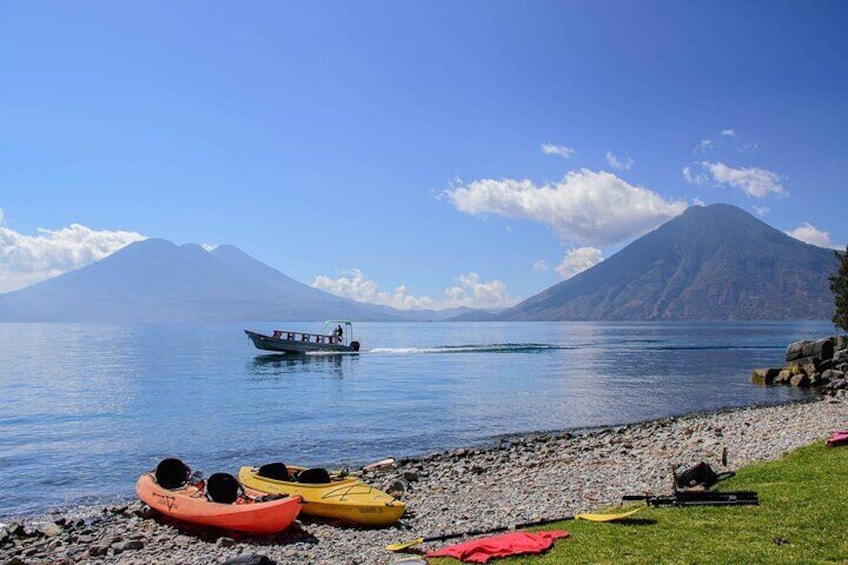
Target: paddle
{"points": [[590, 517], [387, 462]]}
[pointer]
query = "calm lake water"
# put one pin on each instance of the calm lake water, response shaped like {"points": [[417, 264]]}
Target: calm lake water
{"points": [[87, 408]]}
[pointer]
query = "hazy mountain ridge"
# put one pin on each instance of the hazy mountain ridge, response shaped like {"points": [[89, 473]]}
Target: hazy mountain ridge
{"points": [[710, 263], [157, 281]]}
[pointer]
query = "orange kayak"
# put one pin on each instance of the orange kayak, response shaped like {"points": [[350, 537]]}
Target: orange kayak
{"points": [[247, 514]]}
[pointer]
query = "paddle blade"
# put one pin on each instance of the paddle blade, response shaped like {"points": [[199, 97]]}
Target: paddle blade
{"points": [[609, 517], [388, 462], [405, 545]]}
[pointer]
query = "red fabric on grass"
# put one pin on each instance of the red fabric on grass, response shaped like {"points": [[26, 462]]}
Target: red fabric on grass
{"points": [[839, 438], [503, 545]]}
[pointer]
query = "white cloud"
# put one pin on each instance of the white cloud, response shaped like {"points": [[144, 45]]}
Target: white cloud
{"points": [[694, 177], [585, 207], [540, 266], [470, 292], [725, 138], [762, 210], [749, 147], [812, 235], [578, 260], [621, 164], [753, 181], [561, 150], [704, 146], [26, 260]]}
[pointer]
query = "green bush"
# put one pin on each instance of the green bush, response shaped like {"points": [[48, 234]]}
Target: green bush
{"points": [[839, 288]]}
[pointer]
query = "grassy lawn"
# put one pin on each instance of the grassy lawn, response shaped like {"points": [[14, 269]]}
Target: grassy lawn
{"points": [[802, 519]]}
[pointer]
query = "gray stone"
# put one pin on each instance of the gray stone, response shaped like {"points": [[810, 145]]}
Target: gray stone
{"points": [[783, 377], [129, 545], [764, 376], [248, 559], [225, 542], [51, 530], [801, 380], [795, 350], [98, 550], [824, 348]]}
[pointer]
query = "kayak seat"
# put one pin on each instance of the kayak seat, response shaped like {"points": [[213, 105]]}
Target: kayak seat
{"points": [[223, 488], [313, 476], [698, 476], [172, 473], [276, 471]]}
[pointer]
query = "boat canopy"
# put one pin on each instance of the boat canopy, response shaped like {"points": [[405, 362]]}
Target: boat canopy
{"points": [[346, 323]]}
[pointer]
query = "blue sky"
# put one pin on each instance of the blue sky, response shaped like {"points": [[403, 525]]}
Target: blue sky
{"points": [[425, 154]]}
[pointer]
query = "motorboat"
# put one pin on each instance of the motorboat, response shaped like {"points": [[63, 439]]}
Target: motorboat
{"points": [[336, 336]]}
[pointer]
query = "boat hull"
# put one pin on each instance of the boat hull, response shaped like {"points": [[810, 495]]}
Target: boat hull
{"points": [[346, 499], [269, 343], [188, 504]]}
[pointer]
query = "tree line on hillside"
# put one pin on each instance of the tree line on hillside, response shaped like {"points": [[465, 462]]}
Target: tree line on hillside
{"points": [[839, 288]]}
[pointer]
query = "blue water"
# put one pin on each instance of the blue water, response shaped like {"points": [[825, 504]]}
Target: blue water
{"points": [[87, 408]]}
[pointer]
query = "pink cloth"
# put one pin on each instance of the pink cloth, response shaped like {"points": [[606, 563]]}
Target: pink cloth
{"points": [[503, 545], [839, 438]]}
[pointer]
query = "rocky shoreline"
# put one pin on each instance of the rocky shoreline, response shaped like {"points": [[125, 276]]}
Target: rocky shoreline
{"points": [[518, 480]]}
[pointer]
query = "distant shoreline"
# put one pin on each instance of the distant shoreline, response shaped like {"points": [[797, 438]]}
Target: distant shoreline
{"points": [[493, 443], [525, 477]]}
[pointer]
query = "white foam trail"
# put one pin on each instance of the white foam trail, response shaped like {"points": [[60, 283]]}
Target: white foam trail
{"points": [[401, 350]]}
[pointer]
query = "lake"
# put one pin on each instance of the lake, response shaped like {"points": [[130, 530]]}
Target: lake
{"points": [[87, 408]]}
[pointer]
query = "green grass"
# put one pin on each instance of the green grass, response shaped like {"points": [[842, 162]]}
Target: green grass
{"points": [[802, 519]]}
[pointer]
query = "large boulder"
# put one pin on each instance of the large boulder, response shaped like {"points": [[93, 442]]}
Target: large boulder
{"points": [[820, 349], [809, 363], [764, 376]]}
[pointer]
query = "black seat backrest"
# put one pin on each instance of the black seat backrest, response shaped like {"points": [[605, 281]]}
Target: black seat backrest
{"points": [[172, 473], [223, 488], [313, 476], [276, 471], [698, 476]]}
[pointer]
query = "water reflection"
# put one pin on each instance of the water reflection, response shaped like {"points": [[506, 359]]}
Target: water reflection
{"points": [[274, 364]]}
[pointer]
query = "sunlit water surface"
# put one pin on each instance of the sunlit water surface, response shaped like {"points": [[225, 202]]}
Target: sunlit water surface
{"points": [[87, 408]]}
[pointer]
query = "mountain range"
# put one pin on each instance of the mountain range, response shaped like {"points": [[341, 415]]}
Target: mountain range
{"points": [[157, 281], [710, 263]]}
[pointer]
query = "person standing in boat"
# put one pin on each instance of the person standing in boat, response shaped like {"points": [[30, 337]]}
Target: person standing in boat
{"points": [[338, 333]]}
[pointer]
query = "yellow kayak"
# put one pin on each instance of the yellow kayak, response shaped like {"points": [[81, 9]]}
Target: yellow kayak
{"points": [[344, 498]]}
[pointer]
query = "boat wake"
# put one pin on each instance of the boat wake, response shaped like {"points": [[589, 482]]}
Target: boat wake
{"points": [[482, 348], [543, 347], [721, 347]]}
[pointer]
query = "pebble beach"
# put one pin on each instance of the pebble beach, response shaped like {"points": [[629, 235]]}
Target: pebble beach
{"points": [[511, 481]]}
